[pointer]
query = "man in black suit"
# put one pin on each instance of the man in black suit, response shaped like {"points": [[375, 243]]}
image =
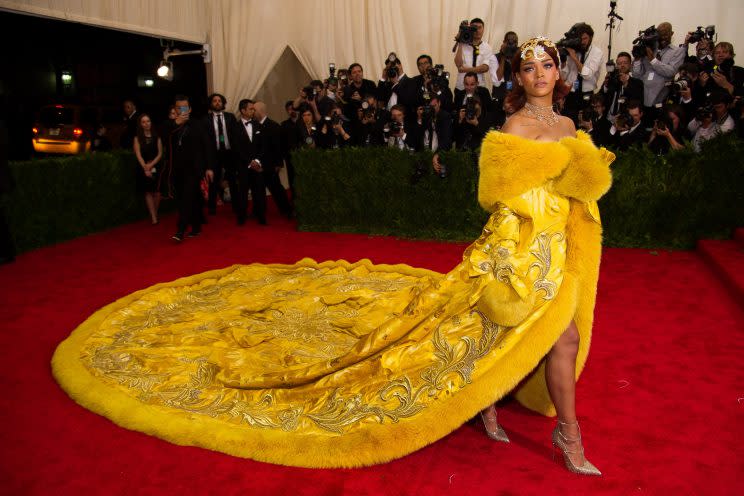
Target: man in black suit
{"points": [[620, 86], [470, 83], [222, 128], [267, 138], [248, 175], [629, 129], [188, 144], [290, 141], [426, 87], [358, 87], [130, 125], [396, 88], [437, 135]]}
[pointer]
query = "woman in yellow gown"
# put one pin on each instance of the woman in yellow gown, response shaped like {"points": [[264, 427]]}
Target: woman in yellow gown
{"points": [[337, 364]]}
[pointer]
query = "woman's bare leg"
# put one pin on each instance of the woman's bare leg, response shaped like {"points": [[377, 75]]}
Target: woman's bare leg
{"points": [[560, 375]]}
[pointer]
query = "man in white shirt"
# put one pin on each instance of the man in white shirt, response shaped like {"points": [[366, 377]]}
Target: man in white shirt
{"points": [[580, 70], [477, 57]]}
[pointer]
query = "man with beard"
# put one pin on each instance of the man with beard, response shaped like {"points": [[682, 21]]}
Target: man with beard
{"points": [[222, 128], [580, 70]]}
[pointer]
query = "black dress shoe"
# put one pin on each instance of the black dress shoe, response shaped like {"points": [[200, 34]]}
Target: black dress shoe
{"points": [[178, 237]]}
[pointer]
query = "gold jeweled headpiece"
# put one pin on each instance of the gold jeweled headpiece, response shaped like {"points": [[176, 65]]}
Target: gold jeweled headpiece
{"points": [[534, 48]]}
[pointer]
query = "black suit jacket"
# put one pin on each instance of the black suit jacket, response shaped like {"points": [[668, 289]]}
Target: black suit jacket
{"points": [[445, 96], [267, 138], [634, 91], [188, 147], [247, 149], [483, 95], [231, 131], [289, 137], [625, 141], [406, 91]]}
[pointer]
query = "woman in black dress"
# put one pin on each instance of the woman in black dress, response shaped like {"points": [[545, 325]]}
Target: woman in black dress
{"points": [[148, 148]]}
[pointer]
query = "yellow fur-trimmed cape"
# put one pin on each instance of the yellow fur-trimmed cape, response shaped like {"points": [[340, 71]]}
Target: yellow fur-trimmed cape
{"points": [[423, 364]]}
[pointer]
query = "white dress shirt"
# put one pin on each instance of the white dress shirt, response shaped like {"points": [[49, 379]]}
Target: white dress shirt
{"points": [[485, 56], [589, 73]]}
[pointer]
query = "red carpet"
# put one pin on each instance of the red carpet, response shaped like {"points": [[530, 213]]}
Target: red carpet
{"points": [[661, 400]]}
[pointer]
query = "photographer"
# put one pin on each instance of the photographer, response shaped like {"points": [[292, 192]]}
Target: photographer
{"points": [[308, 97], [307, 132], [727, 76], [668, 132], [357, 86], [502, 84], [473, 54], [655, 63], [620, 86], [432, 80], [332, 132], [628, 129], [594, 121], [471, 89], [395, 130], [471, 125], [580, 65], [367, 128], [437, 133], [395, 87], [703, 127]]}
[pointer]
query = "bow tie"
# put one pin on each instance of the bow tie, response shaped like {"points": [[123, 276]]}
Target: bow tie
{"points": [[247, 123]]}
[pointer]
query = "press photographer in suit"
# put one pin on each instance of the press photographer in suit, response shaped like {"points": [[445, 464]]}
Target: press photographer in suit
{"points": [[395, 87], [357, 86], [188, 146], [268, 140], [620, 86], [222, 128], [432, 80], [471, 89], [248, 176]]}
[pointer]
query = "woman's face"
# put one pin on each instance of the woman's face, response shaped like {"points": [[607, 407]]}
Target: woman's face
{"points": [[307, 118], [145, 123], [538, 77], [172, 114]]}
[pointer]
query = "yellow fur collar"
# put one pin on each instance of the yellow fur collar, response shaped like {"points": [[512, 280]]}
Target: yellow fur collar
{"points": [[511, 165]]}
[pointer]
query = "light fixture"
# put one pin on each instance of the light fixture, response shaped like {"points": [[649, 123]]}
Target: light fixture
{"points": [[149, 82], [165, 69], [66, 78]]}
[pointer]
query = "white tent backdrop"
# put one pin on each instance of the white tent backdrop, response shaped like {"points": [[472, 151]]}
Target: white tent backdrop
{"points": [[249, 36]]}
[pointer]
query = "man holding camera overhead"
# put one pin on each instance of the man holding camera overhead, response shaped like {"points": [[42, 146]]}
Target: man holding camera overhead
{"points": [[655, 63], [472, 54], [580, 65]]}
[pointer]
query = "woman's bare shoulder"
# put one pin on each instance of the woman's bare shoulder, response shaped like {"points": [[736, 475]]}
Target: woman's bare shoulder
{"points": [[518, 125], [568, 127]]}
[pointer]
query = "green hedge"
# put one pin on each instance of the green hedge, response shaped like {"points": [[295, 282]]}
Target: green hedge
{"points": [[655, 202], [60, 198]]}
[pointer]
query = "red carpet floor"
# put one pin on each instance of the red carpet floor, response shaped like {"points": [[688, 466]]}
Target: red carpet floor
{"points": [[661, 400]]}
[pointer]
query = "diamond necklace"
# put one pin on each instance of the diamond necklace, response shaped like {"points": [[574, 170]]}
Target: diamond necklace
{"points": [[543, 113]]}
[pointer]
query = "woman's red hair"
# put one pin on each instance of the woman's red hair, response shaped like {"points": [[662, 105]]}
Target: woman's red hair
{"points": [[517, 96]]}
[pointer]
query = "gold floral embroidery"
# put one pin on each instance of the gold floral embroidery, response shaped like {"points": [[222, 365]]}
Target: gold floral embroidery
{"points": [[544, 260]]}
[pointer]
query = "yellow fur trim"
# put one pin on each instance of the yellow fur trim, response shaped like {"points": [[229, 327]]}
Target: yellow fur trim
{"points": [[511, 165], [587, 176], [500, 303], [380, 442]]}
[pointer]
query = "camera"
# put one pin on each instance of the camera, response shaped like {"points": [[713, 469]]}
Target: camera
{"points": [[623, 119], [470, 109], [309, 92], [391, 71], [510, 50], [332, 79], [682, 84], [702, 34], [648, 38], [587, 114], [394, 127], [466, 34], [571, 39], [704, 112], [368, 111], [438, 78]]}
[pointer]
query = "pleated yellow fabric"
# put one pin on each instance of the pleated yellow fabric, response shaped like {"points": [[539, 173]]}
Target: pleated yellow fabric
{"points": [[340, 364]]}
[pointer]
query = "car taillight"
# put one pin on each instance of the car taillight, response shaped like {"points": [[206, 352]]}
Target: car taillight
{"points": [[35, 131], [77, 131]]}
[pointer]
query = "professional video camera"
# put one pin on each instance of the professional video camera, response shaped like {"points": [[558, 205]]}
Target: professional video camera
{"points": [[438, 78], [309, 92], [702, 34], [571, 39], [390, 65], [466, 34], [648, 38]]}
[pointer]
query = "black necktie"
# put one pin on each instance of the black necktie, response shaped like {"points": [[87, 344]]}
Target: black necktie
{"points": [[220, 132]]}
